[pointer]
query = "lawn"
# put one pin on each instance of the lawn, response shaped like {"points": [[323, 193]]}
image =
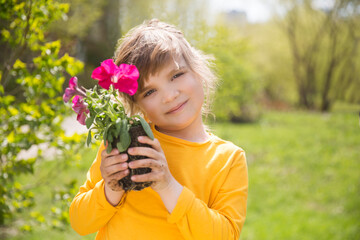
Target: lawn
{"points": [[304, 176]]}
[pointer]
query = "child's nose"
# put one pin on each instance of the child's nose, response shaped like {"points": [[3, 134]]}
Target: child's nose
{"points": [[171, 95]]}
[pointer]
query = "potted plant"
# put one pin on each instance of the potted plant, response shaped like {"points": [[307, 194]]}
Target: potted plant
{"points": [[104, 115]]}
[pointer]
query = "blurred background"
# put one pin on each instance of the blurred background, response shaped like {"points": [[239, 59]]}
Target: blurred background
{"points": [[288, 95]]}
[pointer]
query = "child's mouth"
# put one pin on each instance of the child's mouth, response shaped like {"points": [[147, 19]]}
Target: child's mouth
{"points": [[178, 108]]}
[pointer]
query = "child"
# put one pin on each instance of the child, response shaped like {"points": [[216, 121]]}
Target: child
{"points": [[200, 182]]}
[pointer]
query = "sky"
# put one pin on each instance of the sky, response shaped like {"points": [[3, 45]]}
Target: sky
{"points": [[256, 10]]}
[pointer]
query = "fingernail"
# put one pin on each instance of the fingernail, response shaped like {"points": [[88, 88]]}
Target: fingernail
{"points": [[140, 138], [124, 165]]}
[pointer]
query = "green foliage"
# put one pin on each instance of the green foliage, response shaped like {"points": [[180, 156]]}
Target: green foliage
{"points": [[77, 23], [325, 60], [32, 113], [53, 194], [63, 197], [27, 20], [270, 55], [108, 119], [236, 96]]}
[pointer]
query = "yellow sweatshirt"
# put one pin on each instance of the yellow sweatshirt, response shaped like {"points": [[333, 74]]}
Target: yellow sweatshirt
{"points": [[212, 204]]}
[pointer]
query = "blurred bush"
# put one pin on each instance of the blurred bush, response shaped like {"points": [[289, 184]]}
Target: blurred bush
{"points": [[239, 88], [31, 106]]}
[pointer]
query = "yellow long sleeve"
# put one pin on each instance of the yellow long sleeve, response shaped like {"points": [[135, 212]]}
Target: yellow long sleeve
{"points": [[221, 219], [212, 204], [90, 210]]}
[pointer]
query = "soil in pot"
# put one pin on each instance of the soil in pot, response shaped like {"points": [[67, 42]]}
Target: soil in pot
{"points": [[126, 183]]}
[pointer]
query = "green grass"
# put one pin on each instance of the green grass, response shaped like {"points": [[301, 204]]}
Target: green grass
{"points": [[304, 177], [56, 174]]}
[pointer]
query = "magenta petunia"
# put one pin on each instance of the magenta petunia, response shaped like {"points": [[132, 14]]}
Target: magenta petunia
{"points": [[80, 108], [123, 77], [126, 79], [71, 90]]}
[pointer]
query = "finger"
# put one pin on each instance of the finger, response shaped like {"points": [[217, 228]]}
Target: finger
{"points": [[110, 170], [113, 152], [114, 183], [144, 151], [153, 143], [146, 163], [112, 160], [148, 177], [120, 175]]}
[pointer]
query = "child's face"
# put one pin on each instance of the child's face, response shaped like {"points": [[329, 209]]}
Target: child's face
{"points": [[172, 99]]}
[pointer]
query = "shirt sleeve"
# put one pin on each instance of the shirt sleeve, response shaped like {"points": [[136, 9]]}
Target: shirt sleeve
{"points": [[225, 217], [90, 210]]}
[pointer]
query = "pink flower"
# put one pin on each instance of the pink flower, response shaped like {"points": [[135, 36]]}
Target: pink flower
{"points": [[80, 108], [71, 90], [123, 77]]}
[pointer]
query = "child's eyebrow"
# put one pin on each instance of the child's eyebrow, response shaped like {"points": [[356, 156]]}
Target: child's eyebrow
{"points": [[144, 89], [169, 74], [176, 70]]}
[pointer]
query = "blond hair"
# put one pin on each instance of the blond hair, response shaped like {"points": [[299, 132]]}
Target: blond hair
{"points": [[150, 45]]}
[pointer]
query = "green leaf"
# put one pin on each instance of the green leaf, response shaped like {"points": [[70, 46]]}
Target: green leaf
{"points": [[146, 128], [88, 122], [125, 139], [110, 137], [109, 148], [19, 64], [120, 147], [88, 141], [105, 135], [118, 126], [106, 132]]}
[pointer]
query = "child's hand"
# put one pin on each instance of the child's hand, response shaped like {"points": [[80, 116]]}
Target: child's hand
{"points": [[160, 174], [113, 168]]}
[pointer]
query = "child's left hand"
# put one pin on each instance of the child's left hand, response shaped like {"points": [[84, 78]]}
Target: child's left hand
{"points": [[160, 174]]}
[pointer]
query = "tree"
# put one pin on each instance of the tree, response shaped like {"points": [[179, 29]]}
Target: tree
{"points": [[236, 96], [324, 48], [31, 105]]}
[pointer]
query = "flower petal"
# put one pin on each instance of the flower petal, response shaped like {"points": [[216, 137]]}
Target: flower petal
{"points": [[105, 84], [69, 93], [128, 76], [78, 105], [126, 85], [105, 72], [100, 73], [73, 82], [109, 66], [81, 117]]}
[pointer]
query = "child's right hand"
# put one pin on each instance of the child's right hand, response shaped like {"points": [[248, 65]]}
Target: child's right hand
{"points": [[113, 168]]}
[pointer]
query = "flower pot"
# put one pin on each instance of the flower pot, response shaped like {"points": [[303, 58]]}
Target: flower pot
{"points": [[126, 183]]}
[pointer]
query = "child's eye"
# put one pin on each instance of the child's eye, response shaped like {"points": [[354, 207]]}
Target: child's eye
{"points": [[177, 75], [148, 93]]}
